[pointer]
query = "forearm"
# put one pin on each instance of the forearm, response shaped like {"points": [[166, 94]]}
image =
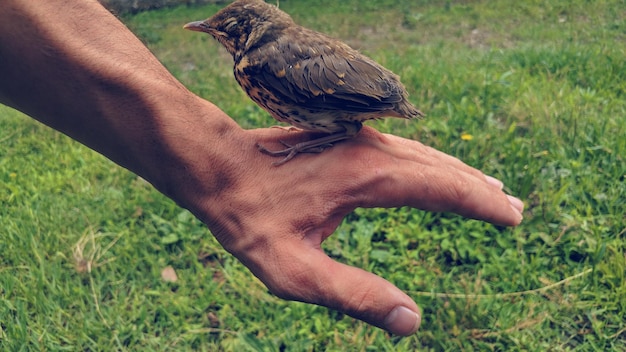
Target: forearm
{"points": [[79, 70]]}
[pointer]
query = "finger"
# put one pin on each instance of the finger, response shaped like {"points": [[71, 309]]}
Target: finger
{"points": [[394, 171], [442, 189], [494, 182], [421, 153], [309, 275], [425, 155]]}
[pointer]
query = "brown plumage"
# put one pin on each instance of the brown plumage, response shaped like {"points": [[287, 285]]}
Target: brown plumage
{"points": [[302, 77]]}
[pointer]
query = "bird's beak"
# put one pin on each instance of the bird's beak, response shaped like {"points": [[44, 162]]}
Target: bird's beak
{"points": [[197, 26]]}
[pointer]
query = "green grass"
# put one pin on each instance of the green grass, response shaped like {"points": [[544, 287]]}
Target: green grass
{"points": [[539, 86]]}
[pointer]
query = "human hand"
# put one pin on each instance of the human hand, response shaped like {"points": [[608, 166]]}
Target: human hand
{"points": [[274, 219], [101, 86]]}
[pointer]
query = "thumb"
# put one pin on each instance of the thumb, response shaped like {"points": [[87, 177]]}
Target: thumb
{"points": [[309, 275]]}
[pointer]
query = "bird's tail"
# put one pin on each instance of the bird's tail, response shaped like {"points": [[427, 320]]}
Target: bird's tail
{"points": [[407, 110]]}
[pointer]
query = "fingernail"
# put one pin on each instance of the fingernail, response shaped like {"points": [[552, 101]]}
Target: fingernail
{"points": [[402, 321], [517, 205], [494, 182]]}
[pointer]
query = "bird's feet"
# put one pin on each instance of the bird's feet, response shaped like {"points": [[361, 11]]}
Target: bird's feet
{"points": [[291, 151], [287, 128], [317, 145]]}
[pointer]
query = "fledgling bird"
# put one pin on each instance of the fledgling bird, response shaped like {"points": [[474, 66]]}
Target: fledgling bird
{"points": [[303, 77]]}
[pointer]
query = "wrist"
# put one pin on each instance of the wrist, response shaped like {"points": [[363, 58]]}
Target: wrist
{"points": [[190, 151]]}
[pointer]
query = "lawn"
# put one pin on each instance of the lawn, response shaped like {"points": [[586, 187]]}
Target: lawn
{"points": [[533, 93]]}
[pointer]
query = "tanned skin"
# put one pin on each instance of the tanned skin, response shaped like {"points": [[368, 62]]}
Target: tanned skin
{"points": [[76, 68]]}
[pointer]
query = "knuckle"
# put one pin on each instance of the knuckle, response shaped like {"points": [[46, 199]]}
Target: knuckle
{"points": [[459, 191]]}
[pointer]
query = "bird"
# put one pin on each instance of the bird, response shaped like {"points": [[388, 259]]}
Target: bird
{"points": [[302, 77]]}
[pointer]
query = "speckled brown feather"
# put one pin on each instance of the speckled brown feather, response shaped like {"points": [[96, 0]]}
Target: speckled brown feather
{"points": [[303, 77]]}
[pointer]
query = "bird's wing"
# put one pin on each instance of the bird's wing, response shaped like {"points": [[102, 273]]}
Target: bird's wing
{"points": [[321, 78]]}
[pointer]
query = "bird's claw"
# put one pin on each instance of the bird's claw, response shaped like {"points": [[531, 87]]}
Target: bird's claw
{"points": [[287, 128], [291, 151]]}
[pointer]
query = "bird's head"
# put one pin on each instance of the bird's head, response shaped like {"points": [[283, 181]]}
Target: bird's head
{"points": [[243, 24]]}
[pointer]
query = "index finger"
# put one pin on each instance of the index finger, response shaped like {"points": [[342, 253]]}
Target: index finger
{"points": [[401, 172]]}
